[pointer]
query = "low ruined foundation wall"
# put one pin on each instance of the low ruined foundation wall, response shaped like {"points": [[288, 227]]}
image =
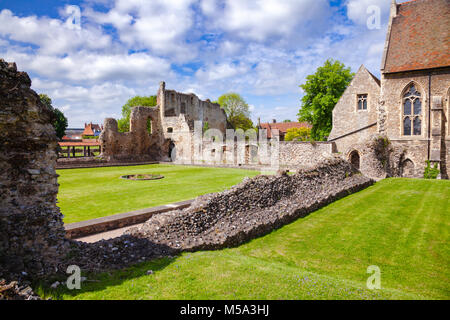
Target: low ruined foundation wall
{"points": [[253, 208]]}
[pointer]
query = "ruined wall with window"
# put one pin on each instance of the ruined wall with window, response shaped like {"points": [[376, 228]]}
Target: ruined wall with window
{"points": [[172, 127], [139, 144]]}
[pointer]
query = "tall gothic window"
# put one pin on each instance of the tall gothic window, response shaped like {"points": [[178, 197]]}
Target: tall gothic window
{"points": [[412, 112], [362, 101]]}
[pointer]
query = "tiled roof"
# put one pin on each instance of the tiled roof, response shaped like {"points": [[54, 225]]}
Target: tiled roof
{"points": [[419, 37], [77, 144], [89, 129], [283, 127]]}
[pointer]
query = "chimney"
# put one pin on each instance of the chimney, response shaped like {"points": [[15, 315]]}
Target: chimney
{"points": [[274, 120], [259, 122]]}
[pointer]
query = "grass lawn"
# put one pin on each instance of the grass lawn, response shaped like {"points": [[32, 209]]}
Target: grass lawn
{"points": [[97, 192], [399, 225]]}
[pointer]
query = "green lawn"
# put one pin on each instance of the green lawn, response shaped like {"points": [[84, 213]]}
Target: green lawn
{"points": [[97, 192], [399, 225]]}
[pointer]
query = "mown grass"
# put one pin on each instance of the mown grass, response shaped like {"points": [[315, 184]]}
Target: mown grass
{"points": [[97, 192], [399, 225]]}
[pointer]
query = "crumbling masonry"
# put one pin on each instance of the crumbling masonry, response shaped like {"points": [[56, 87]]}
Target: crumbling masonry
{"points": [[31, 227]]}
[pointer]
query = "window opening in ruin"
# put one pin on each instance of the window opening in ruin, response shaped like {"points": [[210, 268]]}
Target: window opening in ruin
{"points": [[412, 112], [362, 101], [149, 125], [183, 108], [169, 130]]}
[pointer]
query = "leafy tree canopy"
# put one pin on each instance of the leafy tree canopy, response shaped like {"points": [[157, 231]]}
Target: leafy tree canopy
{"points": [[322, 91], [137, 101], [237, 110], [298, 134], [60, 121]]}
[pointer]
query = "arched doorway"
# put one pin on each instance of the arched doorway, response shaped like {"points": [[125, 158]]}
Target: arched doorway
{"points": [[171, 150], [355, 159], [407, 169]]}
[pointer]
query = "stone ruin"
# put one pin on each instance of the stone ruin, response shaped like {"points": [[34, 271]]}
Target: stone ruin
{"points": [[172, 125], [31, 226]]}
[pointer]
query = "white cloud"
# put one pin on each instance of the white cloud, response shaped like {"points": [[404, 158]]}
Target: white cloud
{"points": [[357, 10], [220, 71], [157, 24], [87, 66], [52, 36], [260, 20]]}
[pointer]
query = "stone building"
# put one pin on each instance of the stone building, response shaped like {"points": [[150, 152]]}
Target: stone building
{"points": [[410, 103]]}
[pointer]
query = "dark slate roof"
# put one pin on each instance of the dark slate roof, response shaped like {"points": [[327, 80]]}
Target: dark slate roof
{"points": [[420, 36]]}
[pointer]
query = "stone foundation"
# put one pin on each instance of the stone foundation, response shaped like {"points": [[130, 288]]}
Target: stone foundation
{"points": [[253, 208]]}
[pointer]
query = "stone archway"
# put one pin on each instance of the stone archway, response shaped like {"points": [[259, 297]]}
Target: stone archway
{"points": [[172, 150], [407, 169], [355, 159]]}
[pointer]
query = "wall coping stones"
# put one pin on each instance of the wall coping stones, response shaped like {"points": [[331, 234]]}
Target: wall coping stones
{"points": [[98, 225]]}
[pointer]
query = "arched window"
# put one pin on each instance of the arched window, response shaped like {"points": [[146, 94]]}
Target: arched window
{"points": [[412, 112]]}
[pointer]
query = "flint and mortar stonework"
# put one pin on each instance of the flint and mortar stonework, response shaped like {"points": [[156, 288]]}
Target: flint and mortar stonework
{"points": [[253, 208], [295, 155], [31, 227]]}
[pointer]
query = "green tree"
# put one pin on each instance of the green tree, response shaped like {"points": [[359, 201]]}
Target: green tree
{"points": [[237, 110], [60, 121], [137, 101], [298, 134], [322, 91]]}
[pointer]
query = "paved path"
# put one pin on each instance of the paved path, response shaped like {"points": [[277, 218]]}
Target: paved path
{"points": [[106, 235]]}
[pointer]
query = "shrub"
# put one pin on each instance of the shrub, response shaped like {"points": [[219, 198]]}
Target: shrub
{"points": [[298, 134], [431, 173]]}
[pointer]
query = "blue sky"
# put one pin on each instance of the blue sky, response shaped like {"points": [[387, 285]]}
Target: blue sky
{"points": [[91, 56]]}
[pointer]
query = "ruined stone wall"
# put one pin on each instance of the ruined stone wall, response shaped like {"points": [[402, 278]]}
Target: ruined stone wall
{"points": [[253, 208], [295, 154], [174, 104], [31, 227], [173, 122], [138, 144]]}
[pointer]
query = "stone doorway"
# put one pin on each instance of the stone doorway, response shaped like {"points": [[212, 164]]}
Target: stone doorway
{"points": [[355, 159], [407, 169], [172, 149]]}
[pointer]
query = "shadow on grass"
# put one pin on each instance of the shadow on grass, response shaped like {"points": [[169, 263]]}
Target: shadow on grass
{"points": [[108, 272]]}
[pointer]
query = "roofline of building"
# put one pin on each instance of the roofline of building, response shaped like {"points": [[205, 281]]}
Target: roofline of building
{"points": [[417, 70], [392, 14]]}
